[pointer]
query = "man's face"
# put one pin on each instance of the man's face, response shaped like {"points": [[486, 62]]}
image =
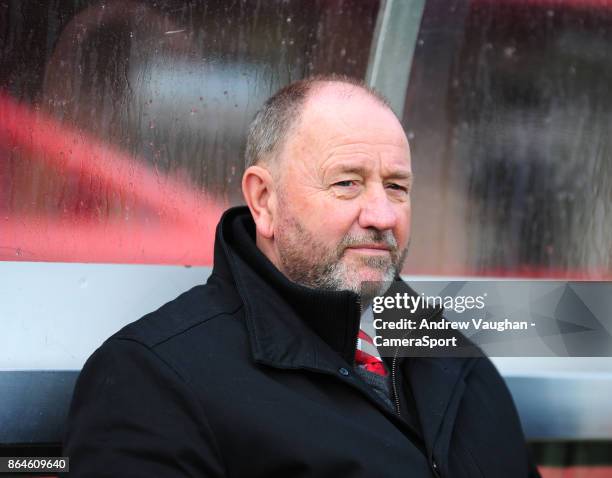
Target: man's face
{"points": [[343, 193]]}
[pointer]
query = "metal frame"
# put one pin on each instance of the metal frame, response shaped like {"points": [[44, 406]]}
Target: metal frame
{"points": [[395, 39]]}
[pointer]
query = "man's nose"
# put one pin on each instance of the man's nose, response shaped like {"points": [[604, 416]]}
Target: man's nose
{"points": [[377, 211]]}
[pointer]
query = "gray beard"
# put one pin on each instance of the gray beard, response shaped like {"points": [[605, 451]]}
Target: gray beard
{"points": [[306, 261]]}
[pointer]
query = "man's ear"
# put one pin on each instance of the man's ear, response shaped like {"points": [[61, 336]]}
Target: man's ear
{"points": [[259, 194]]}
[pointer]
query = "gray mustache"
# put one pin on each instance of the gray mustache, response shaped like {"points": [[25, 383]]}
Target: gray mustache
{"points": [[381, 238]]}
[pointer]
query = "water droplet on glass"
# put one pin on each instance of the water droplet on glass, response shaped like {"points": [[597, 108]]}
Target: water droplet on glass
{"points": [[509, 51]]}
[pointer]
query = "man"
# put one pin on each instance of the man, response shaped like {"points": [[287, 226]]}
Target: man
{"points": [[258, 373]]}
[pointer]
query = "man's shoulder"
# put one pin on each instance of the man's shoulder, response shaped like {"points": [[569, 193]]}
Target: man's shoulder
{"points": [[187, 314]]}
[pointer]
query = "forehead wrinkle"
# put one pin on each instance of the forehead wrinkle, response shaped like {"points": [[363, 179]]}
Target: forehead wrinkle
{"points": [[343, 141], [365, 148], [361, 155]]}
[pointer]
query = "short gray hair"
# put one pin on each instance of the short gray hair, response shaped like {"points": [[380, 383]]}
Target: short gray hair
{"points": [[270, 127]]}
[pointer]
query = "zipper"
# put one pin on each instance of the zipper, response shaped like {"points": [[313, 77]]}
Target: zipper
{"points": [[359, 326], [394, 383], [394, 368]]}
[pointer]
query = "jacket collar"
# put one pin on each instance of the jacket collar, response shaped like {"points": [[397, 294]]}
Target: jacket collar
{"points": [[283, 317]]}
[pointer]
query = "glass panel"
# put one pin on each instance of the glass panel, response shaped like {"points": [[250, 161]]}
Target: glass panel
{"points": [[509, 115], [122, 124]]}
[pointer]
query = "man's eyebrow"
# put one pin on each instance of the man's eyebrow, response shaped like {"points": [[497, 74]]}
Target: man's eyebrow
{"points": [[362, 171], [407, 175]]}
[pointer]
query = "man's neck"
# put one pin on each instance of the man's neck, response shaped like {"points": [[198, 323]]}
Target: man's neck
{"points": [[267, 248]]}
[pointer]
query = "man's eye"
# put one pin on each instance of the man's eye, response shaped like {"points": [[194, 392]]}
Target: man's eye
{"points": [[345, 184], [397, 187]]}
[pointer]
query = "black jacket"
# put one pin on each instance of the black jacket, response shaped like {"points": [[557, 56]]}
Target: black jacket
{"points": [[251, 376]]}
